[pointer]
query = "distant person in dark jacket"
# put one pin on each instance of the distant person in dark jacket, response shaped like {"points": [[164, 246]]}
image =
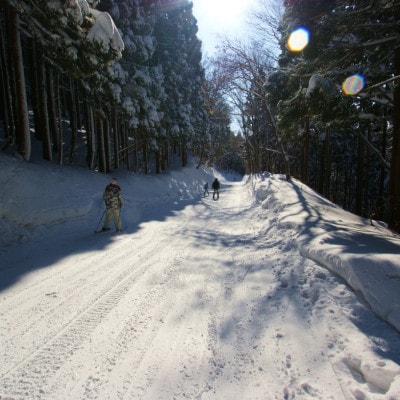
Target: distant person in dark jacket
{"points": [[215, 186], [113, 199]]}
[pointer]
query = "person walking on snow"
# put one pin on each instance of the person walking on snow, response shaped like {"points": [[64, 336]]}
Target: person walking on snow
{"points": [[206, 192], [112, 197], [215, 186]]}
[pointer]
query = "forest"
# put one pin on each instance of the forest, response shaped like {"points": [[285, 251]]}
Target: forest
{"points": [[116, 84]]}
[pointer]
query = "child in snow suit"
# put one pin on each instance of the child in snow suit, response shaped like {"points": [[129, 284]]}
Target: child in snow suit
{"points": [[206, 192], [215, 186], [112, 197]]}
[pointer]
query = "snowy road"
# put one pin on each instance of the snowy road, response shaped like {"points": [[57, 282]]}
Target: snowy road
{"points": [[212, 301]]}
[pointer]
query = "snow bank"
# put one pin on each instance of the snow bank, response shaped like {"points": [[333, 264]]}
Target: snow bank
{"points": [[366, 256], [35, 195]]}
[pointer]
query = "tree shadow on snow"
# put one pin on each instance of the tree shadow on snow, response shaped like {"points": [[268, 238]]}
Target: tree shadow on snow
{"points": [[56, 242], [353, 240]]}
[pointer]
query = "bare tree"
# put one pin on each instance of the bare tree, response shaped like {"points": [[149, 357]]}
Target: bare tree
{"points": [[244, 70]]}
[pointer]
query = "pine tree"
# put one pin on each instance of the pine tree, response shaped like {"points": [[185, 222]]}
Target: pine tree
{"points": [[179, 53], [69, 37], [344, 41]]}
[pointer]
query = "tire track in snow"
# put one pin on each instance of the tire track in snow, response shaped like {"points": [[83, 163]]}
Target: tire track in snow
{"points": [[29, 376], [45, 314], [35, 371], [135, 337]]}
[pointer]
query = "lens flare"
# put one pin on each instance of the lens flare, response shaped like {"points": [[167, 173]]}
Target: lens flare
{"points": [[298, 40], [353, 84]]}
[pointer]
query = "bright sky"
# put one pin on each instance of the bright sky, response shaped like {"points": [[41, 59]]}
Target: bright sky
{"points": [[220, 17]]}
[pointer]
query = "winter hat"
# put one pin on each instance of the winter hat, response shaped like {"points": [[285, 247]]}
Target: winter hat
{"points": [[114, 181]]}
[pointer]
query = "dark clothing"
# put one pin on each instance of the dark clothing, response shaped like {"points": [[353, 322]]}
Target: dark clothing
{"points": [[215, 185]]}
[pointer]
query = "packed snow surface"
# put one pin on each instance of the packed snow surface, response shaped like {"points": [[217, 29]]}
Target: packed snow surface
{"points": [[271, 292]]}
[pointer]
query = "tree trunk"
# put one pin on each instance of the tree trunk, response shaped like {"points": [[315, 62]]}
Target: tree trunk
{"points": [[23, 138], [184, 153], [325, 167], [115, 131], [5, 95], [382, 175], [100, 143], [201, 155], [305, 152], [34, 92], [90, 137], [43, 120], [145, 157], [128, 132], [136, 138], [107, 147], [52, 93], [366, 198], [158, 161], [164, 155], [123, 137], [60, 123], [394, 181], [359, 176], [72, 120]]}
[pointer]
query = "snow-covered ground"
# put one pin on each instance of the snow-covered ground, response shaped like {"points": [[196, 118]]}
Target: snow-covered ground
{"points": [[272, 292]]}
